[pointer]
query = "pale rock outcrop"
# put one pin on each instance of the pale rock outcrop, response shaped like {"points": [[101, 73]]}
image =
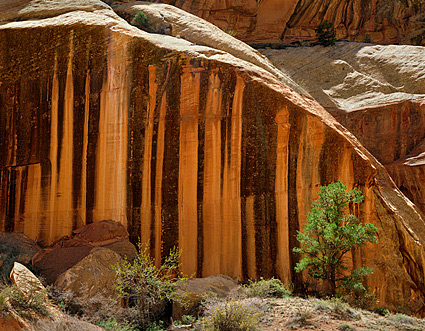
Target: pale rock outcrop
{"points": [[349, 76], [187, 146]]}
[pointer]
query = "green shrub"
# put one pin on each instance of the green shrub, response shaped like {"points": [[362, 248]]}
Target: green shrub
{"points": [[232, 315], [325, 33], [346, 327], [114, 325], [381, 311], [267, 288], [140, 20], [146, 289]]}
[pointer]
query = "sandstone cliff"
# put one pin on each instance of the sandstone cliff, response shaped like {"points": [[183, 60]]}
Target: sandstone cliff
{"points": [[377, 93], [294, 20], [185, 145]]}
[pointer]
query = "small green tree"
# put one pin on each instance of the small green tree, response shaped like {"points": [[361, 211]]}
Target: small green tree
{"points": [[140, 20], [325, 33], [329, 234]]}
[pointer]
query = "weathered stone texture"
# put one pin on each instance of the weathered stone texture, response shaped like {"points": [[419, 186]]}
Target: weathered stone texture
{"points": [[184, 145], [294, 20]]}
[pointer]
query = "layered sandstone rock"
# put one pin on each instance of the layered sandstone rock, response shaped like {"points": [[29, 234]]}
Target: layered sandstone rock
{"points": [[377, 92], [184, 145], [294, 20]]}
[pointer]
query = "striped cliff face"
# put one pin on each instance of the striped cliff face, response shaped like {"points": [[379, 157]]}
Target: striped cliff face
{"points": [[259, 21], [187, 147]]}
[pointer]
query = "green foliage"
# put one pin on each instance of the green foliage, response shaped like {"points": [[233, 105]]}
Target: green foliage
{"points": [[329, 234], [114, 325], [230, 32], [381, 311], [367, 38], [156, 326], [232, 315], [325, 33], [267, 288], [147, 289], [186, 320], [140, 20], [28, 306], [346, 327]]}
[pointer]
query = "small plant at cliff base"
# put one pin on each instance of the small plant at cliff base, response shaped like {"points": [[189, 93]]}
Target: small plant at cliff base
{"points": [[146, 289], [29, 306], [232, 314], [267, 288], [140, 20], [329, 234], [325, 33]]}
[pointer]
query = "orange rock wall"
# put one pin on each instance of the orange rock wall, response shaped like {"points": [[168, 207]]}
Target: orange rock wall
{"points": [[394, 134], [219, 160], [291, 20]]}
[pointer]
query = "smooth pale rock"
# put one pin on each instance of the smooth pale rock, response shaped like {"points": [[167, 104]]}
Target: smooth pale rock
{"points": [[185, 145], [349, 76], [196, 289], [92, 275], [294, 20], [25, 280]]}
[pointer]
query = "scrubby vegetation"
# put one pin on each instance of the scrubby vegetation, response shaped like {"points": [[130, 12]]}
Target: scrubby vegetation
{"points": [[325, 33], [267, 288], [30, 306], [146, 289]]}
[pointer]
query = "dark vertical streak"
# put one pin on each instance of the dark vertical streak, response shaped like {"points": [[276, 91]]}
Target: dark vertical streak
{"points": [[294, 142], [201, 159], [170, 180]]}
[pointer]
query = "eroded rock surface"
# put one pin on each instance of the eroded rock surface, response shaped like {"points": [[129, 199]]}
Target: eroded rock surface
{"points": [[294, 20], [184, 145], [93, 275]]}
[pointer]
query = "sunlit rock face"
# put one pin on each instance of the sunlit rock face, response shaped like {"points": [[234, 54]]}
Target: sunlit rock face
{"points": [[377, 93], [295, 20], [184, 145]]}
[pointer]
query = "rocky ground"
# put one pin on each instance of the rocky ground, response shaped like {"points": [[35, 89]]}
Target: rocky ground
{"points": [[295, 313]]}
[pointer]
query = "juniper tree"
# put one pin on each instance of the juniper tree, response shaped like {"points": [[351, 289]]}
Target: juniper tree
{"points": [[329, 234]]}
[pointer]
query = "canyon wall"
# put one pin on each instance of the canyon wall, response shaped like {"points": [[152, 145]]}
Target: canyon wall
{"points": [[377, 93], [185, 145], [382, 21]]}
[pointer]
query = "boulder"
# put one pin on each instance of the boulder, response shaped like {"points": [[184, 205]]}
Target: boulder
{"points": [[25, 280], [194, 291], [91, 276], [15, 247], [68, 251]]}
